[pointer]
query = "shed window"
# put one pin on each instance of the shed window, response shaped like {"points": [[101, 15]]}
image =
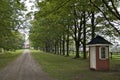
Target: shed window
{"points": [[103, 52]]}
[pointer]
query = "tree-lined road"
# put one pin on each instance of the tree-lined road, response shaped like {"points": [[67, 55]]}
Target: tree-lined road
{"points": [[24, 68]]}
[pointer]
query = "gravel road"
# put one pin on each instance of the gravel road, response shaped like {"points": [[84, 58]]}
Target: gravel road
{"points": [[24, 68]]}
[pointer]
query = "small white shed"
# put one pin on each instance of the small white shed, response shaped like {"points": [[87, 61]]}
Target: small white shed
{"points": [[99, 53]]}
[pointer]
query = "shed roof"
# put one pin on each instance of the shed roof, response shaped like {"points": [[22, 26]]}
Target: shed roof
{"points": [[98, 40]]}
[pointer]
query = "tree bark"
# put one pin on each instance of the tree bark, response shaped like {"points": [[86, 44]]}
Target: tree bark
{"points": [[55, 48], [63, 44], [84, 35], [77, 44], [60, 46], [67, 41], [93, 24]]}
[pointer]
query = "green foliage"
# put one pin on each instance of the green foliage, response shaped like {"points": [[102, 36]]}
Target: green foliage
{"points": [[11, 11], [78, 19]]}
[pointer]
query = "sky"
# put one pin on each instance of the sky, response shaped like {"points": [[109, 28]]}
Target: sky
{"points": [[30, 6]]}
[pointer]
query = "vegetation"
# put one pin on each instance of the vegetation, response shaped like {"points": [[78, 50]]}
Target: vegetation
{"points": [[59, 25], [66, 68], [10, 21], [7, 57]]}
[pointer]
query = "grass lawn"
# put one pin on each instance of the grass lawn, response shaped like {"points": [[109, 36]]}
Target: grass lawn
{"points": [[7, 57], [66, 68]]}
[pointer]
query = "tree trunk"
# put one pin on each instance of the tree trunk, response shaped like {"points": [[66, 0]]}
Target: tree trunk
{"points": [[67, 42], [63, 45], [93, 24], [58, 52], [84, 37], [55, 48], [77, 49], [60, 46]]}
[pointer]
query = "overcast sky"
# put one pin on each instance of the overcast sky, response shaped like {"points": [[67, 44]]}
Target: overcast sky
{"points": [[30, 6]]}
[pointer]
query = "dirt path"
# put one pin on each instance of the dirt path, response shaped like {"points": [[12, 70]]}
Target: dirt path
{"points": [[24, 68]]}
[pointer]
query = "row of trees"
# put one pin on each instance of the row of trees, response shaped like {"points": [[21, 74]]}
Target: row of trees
{"points": [[10, 21], [58, 25]]}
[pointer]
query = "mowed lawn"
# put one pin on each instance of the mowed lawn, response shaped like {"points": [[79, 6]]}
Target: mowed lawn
{"points": [[7, 57], [66, 68]]}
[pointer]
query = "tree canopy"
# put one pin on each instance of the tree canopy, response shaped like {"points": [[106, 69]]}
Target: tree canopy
{"points": [[58, 25], [10, 21]]}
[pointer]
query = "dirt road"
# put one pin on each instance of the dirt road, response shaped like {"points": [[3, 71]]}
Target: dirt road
{"points": [[24, 68]]}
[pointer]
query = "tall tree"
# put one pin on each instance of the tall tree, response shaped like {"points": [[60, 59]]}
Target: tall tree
{"points": [[10, 11]]}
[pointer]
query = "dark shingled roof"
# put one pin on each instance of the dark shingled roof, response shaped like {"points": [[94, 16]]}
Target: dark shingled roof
{"points": [[99, 40]]}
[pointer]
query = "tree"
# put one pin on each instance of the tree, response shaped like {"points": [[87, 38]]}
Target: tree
{"points": [[10, 10], [58, 21]]}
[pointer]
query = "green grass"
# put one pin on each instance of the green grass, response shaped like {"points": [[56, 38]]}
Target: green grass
{"points": [[7, 57], [116, 56], [66, 68]]}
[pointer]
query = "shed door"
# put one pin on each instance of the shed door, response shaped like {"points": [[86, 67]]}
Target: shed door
{"points": [[93, 57]]}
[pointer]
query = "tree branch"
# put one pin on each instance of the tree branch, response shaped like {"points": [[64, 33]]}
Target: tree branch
{"points": [[105, 17], [115, 14]]}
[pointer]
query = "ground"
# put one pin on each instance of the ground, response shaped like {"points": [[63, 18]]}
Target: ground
{"points": [[24, 68]]}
